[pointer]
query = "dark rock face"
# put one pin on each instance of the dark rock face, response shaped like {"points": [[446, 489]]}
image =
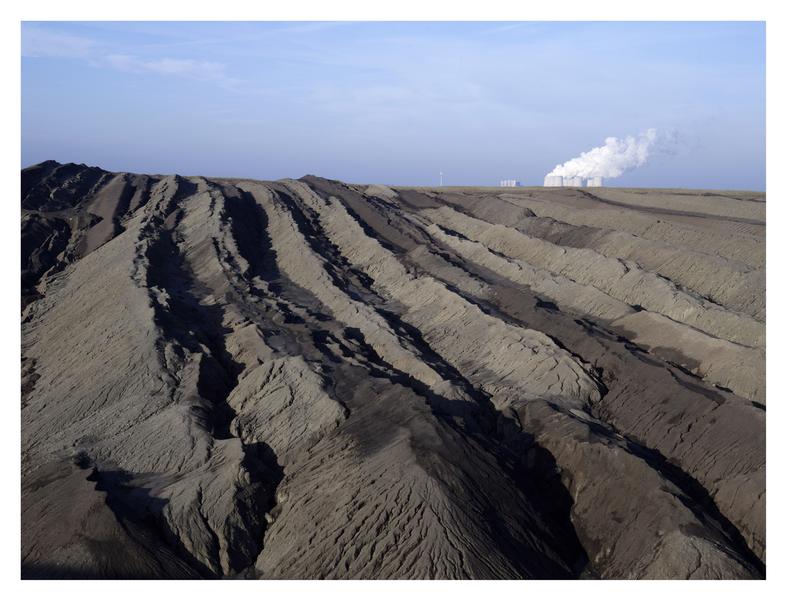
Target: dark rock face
{"points": [[310, 379]]}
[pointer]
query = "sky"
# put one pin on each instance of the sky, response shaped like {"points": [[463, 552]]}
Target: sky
{"points": [[396, 103]]}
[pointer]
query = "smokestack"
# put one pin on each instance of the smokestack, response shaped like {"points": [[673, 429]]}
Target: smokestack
{"points": [[553, 181]]}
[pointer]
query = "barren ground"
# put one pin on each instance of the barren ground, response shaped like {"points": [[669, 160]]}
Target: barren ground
{"points": [[312, 379]]}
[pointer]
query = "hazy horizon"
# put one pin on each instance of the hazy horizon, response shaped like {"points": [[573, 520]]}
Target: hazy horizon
{"points": [[396, 103]]}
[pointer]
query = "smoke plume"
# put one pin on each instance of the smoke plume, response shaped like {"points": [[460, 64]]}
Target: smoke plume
{"points": [[614, 158]]}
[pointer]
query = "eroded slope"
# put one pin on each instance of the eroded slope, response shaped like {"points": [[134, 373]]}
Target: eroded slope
{"points": [[308, 379]]}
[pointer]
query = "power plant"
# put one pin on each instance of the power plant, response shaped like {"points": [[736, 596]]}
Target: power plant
{"points": [[615, 157], [560, 181]]}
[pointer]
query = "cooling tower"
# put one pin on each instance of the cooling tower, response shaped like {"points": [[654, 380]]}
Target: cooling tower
{"points": [[553, 181], [509, 183], [595, 182], [573, 181]]}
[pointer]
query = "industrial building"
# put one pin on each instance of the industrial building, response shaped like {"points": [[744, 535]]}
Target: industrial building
{"points": [[559, 181], [509, 183]]}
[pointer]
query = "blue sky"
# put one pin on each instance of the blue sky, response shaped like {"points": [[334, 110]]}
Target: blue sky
{"points": [[395, 102]]}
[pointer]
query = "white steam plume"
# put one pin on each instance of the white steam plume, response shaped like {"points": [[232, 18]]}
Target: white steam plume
{"points": [[614, 158]]}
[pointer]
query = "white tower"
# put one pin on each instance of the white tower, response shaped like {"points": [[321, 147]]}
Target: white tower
{"points": [[595, 182]]}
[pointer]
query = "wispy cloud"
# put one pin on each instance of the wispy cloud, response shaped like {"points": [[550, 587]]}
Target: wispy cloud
{"points": [[40, 42], [199, 70]]}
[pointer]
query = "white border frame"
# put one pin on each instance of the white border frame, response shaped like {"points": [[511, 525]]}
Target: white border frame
{"points": [[412, 10]]}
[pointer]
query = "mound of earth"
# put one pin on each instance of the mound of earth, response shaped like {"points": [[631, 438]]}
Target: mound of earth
{"points": [[312, 379]]}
